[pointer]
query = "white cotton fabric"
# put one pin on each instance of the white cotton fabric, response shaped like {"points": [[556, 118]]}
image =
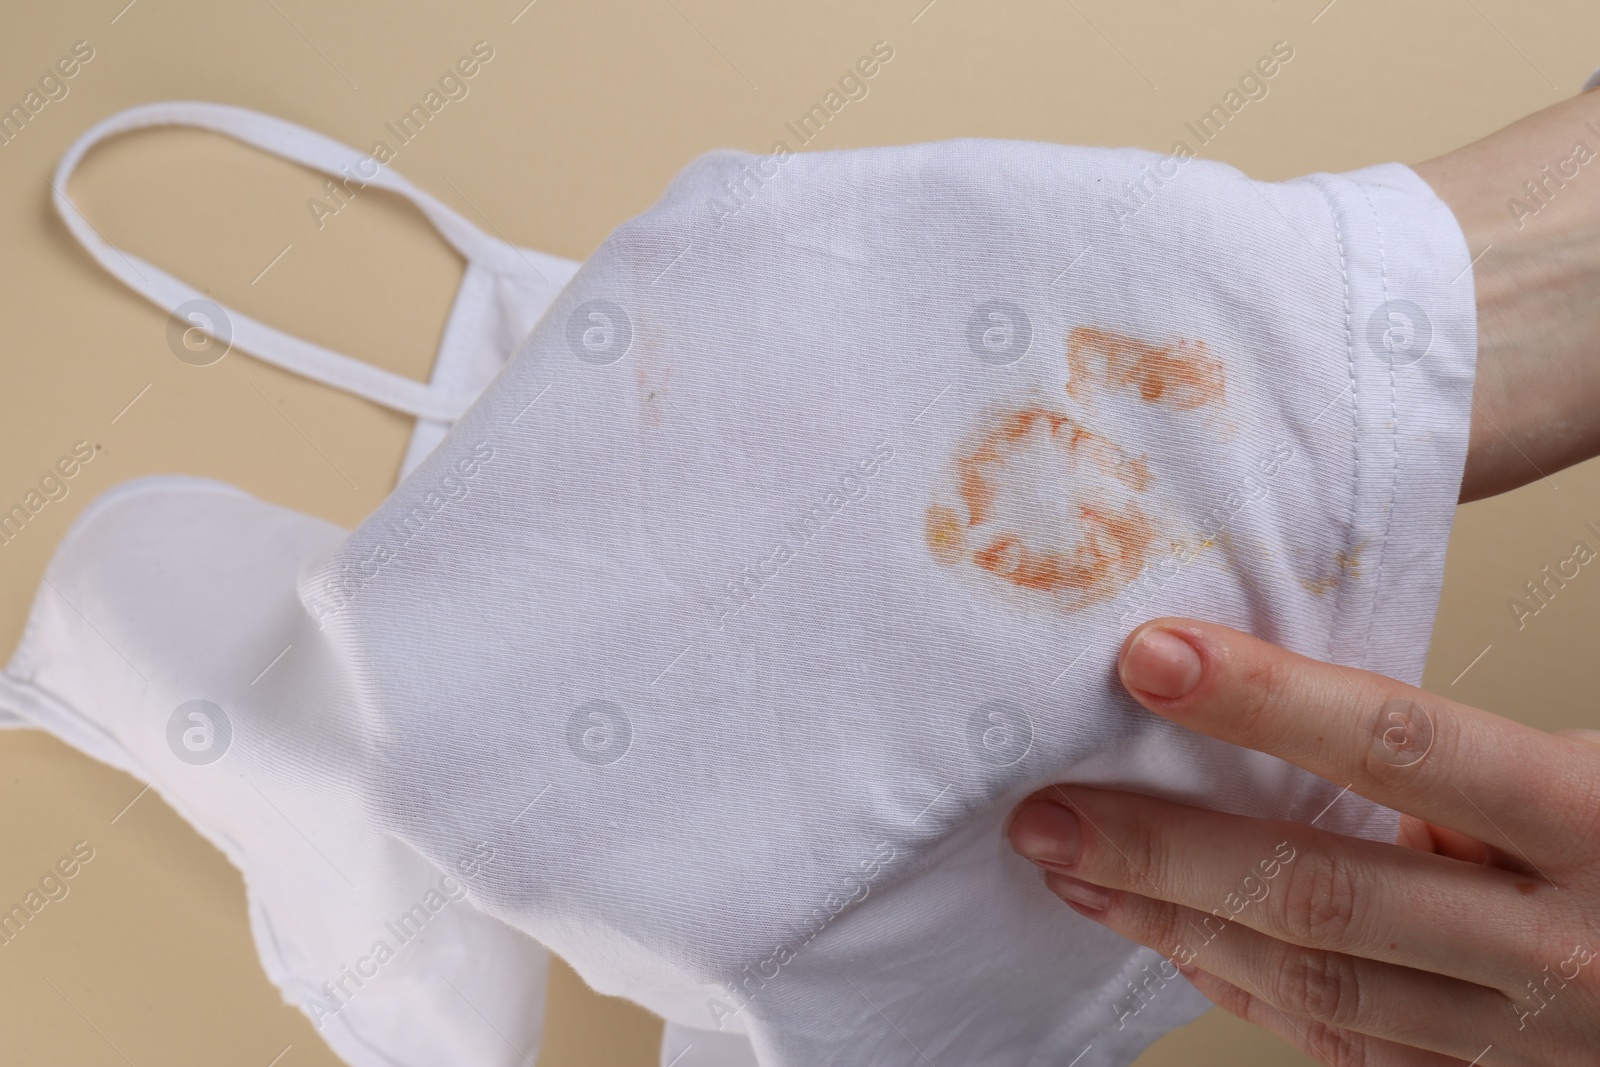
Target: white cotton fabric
{"points": [[685, 1046], [460, 988], [782, 560]]}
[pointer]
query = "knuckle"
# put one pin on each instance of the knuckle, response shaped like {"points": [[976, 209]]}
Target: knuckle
{"points": [[1413, 747], [1321, 986], [1145, 851], [1336, 1047], [1403, 730], [1235, 1001], [1150, 922], [1169, 928], [1327, 1044], [1321, 905], [1259, 685]]}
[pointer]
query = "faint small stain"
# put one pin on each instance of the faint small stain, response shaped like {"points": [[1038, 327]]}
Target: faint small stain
{"points": [[1345, 564], [652, 383]]}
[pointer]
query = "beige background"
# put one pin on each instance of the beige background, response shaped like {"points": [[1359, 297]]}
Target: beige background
{"points": [[583, 115]]}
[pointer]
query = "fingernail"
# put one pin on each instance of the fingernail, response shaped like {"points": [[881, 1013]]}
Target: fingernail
{"points": [[1161, 664], [1047, 832], [1080, 893]]}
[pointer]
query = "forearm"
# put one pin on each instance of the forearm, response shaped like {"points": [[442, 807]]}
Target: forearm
{"points": [[1536, 405]]}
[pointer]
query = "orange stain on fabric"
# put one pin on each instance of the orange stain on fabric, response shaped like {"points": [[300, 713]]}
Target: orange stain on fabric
{"points": [[1183, 376], [1113, 553], [1100, 538], [1051, 506]]}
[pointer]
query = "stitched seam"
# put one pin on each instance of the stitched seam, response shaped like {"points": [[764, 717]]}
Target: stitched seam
{"points": [[1355, 403], [1394, 433]]}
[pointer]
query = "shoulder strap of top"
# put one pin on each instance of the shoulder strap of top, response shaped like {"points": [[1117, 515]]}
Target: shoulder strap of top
{"points": [[320, 153]]}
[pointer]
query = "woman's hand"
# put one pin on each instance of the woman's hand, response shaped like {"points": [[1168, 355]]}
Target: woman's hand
{"points": [[1474, 939]]}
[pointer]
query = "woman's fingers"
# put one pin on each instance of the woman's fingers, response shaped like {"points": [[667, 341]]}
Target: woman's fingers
{"points": [[1344, 993], [1533, 794], [1435, 950], [1294, 883], [1422, 836], [1326, 1044]]}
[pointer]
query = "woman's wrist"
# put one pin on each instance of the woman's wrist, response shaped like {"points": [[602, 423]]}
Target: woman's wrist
{"points": [[1528, 201]]}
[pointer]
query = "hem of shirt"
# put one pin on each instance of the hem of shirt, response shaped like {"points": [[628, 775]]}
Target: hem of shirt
{"points": [[1412, 339]]}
